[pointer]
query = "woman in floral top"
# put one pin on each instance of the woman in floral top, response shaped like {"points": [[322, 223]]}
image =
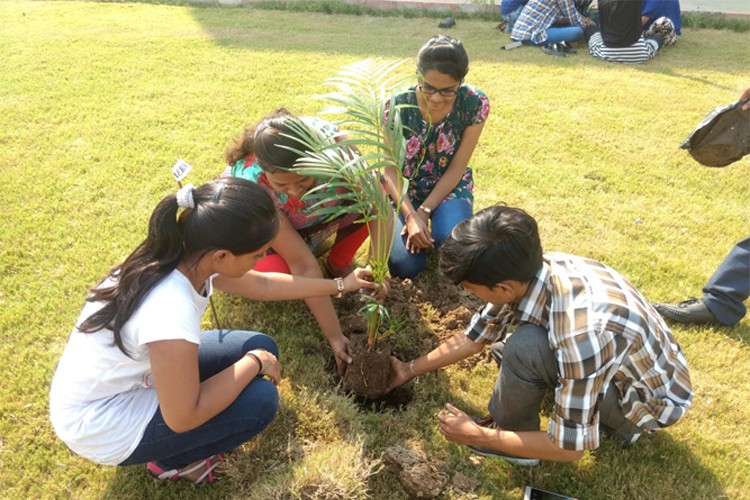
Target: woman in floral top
{"points": [[259, 155], [442, 130]]}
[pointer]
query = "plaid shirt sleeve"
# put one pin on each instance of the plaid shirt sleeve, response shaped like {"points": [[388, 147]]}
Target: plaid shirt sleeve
{"points": [[568, 8], [490, 324]]}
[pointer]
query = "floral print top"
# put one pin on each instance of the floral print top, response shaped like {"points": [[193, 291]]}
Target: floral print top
{"points": [[314, 229], [430, 150]]}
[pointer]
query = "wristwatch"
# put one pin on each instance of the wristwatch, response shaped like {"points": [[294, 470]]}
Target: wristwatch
{"points": [[426, 210], [339, 287]]}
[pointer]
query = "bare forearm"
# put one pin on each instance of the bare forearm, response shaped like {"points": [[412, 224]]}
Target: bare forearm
{"points": [[531, 444], [455, 171], [216, 394], [276, 286], [393, 184], [451, 351], [447, 183], [324, 313]]}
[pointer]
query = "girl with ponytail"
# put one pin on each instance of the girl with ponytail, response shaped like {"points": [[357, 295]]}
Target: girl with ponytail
{"points": [[139, 382]]}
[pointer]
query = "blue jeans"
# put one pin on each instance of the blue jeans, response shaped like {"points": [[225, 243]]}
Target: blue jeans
{"points": [[510, 19], [528, 370], [247, 416], [404, 264], [729, 286], [557, 34]]}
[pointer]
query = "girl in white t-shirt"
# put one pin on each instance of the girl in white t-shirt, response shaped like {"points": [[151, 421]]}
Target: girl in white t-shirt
{"points": [[138, 381]]}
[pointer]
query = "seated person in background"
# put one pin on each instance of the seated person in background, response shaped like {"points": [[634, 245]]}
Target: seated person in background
{"points": [[662, 17], [545, 22], [509, 11], [620, 38], [582, 332]]}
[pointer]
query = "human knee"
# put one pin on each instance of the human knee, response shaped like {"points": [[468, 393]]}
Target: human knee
{"points": [[407, 267], [261, 397], [262, 341], [525, 345]]}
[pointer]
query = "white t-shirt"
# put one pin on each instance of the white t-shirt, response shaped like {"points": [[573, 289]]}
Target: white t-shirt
{"points": [[102, 400]]}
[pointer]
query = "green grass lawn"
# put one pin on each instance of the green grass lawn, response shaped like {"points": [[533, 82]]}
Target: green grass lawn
{"points": [[98, 100]]}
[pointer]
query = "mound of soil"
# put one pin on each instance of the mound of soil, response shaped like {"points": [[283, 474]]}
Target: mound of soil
{"points": [[369, 373], [429, 310]]}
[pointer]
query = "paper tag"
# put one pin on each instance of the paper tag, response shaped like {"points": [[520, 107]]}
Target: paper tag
{"points": [[181, 169]]}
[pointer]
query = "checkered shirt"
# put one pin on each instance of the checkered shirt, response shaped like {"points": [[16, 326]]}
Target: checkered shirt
{"points": [[538, 15], [602, 331]]}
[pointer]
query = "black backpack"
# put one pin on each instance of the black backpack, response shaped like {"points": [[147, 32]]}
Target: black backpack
{"points": [[723, 137]]}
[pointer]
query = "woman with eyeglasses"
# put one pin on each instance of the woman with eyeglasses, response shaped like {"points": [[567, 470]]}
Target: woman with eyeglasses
{"points": [[442, 130]]}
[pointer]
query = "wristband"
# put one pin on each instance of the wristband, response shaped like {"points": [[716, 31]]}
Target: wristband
{"points": [[339, 287], [426, 210], [257, 360], [410, 214], [411, 368]]}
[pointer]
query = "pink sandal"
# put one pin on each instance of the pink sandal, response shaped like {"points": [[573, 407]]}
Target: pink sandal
{"points": [[209, 464]]}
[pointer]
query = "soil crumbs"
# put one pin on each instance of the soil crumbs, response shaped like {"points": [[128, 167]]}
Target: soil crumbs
{"points": [[429, 310]]}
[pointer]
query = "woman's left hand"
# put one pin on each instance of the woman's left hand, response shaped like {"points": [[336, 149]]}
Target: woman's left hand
{"points": [[418, 233]]}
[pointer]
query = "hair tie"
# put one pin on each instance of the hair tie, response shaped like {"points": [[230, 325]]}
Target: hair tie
{"points": [[185, 197]]}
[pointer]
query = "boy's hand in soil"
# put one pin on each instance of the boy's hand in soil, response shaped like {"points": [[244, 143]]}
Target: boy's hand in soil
{"points": [[400, 373]]}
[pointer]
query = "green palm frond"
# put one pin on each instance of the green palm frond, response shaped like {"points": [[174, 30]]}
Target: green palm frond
{"points": [[352, 163]]}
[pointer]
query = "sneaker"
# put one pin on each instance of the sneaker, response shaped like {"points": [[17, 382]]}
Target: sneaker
{"points": [[664, 27], [568, 48], [554, 49], [688, 311], [489, 452]]}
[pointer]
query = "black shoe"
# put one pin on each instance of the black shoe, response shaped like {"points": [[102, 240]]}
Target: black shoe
{"points": [[565, 47], [489, 452], [448, 22], [688, 311], [554, 49]]}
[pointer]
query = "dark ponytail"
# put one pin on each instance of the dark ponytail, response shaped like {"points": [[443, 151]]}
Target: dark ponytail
{"points": [[229, 214], [266, 140]]}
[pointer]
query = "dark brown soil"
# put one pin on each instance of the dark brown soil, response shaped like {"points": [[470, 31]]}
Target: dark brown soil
{"points": [[431, 310], [369, 373]]}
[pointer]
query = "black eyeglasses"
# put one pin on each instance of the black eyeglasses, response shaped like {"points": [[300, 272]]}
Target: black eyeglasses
{"points": [[429, 90]]}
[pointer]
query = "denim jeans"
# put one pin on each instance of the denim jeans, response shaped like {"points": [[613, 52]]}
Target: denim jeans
{"points": [[247, 416], [510, 19], [729, 286], [404, 264], [528, 370], [557, 34]]}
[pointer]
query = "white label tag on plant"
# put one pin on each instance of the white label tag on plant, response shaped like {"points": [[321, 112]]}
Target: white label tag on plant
{"points": [[181, 169]]}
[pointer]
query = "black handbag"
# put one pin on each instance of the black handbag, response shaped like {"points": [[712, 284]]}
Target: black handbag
{"points": [[722, 138]]}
